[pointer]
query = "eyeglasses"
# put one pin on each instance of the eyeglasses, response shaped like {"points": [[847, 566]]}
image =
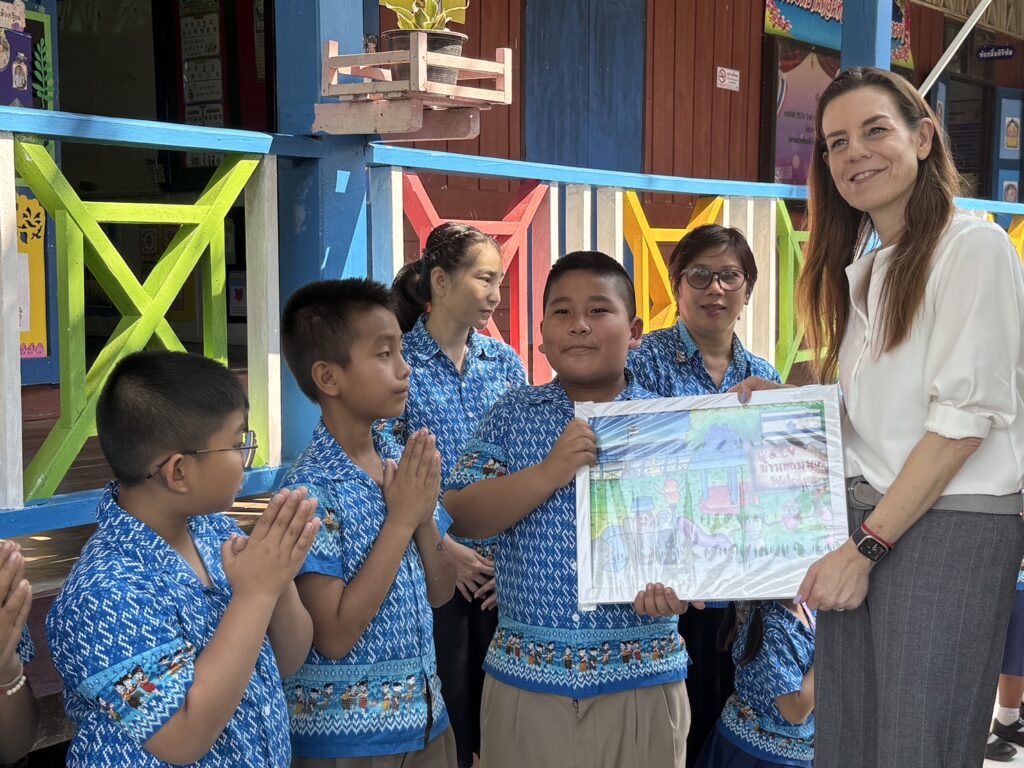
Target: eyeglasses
{"points": [[247, 449], [700, 278]]}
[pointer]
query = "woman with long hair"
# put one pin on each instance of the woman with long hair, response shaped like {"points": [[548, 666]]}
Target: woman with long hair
{"points": [[917, 310]]}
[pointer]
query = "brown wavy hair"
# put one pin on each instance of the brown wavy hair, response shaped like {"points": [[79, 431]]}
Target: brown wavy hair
{"points": [[837, 230]]}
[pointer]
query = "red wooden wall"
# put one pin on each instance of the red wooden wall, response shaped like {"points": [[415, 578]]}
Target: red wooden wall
{"points": [[927, 27], [490, 24], [692, 127]]}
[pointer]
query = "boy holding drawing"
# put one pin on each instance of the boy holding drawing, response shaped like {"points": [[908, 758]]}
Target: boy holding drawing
{"points": [[604, 709]]}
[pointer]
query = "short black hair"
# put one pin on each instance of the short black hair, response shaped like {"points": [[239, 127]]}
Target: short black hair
{"points": [[318, 323], [597, 263], [158, 403], [711, 237]]}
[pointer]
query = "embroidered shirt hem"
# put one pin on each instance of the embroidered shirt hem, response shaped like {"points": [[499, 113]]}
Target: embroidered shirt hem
{"points": [[744, 746], [344, 745], [587, 691]]}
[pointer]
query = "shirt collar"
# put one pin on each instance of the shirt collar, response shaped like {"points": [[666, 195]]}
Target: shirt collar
{"points": [[333, 460], [419, 346], [137, 541], [687, 349], [553, 391], [788, 617]]}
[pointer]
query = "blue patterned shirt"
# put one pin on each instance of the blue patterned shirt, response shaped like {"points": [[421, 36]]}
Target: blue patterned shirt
{"points": [[751, 720], [383, 697], [26, 651], [125, 632], [449, 403], [544, 642], [669, 363]]}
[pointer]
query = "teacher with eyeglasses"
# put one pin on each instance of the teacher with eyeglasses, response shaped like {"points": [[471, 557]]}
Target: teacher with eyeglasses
{"points": [[712, 272], [918, 310]]}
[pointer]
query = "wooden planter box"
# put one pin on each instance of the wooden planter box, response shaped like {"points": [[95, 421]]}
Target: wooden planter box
{"points": [[416, 109]]}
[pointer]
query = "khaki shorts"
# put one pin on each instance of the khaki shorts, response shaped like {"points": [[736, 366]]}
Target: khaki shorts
{"points": [[440, 753], [641, 728]]}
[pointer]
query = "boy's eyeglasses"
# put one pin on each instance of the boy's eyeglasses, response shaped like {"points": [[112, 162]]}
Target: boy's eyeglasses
{"points": [[700, 278], [247, 449]]}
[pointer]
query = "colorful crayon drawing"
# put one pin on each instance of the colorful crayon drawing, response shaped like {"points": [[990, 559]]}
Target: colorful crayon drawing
{"points": [[717, 500]]}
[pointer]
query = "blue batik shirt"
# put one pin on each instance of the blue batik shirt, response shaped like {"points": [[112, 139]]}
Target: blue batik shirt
{"points": [[544, 642], [125, 632], [26, 651], [751, 720], [450, 403], [669, 363], [383, 697]]}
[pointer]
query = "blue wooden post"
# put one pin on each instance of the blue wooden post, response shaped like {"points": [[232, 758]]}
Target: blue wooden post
{"points": [[322, 202], [867, 34]]}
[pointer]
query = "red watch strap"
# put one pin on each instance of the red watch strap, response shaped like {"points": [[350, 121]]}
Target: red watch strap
{"points": [[875, 536]]}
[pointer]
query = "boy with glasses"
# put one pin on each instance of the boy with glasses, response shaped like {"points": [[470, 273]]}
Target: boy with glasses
{"points": [[173, 629]]}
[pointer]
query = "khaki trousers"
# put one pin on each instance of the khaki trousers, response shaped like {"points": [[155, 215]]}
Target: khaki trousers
{"points": [[440, 753], [641, 728]]}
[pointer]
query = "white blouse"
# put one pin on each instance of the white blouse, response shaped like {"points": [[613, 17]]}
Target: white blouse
{"points": [[959, 374]]}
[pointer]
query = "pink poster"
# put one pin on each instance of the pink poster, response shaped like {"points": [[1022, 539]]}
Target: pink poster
{"points": [[802, 78]]}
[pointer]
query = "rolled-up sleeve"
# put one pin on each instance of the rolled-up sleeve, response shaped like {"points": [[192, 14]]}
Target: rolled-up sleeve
{"points": [[975, 342]]}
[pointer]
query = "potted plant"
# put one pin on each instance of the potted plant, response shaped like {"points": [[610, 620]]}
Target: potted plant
{"points": [[433, 17]]}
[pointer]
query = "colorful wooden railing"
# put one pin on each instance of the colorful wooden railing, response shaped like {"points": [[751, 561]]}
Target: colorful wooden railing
{"points": [[82, 244], [609, 204], [249, 167], [655, 299], [788, 350]]}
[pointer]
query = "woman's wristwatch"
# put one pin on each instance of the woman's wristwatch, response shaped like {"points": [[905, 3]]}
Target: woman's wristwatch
{"points": [[870, 544]]}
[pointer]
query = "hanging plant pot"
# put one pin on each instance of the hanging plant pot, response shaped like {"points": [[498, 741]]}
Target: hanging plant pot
{"points": [[438, 41]]}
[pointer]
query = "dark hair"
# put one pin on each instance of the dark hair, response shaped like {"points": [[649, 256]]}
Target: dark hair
{"points": [[753, 614], [155, 403], [711, 237], [597, 263], [836, 227], [318, 324], [447, 247]]}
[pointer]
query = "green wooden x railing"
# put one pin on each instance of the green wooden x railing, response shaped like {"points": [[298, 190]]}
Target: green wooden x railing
{"points": [[788, 350], [82, 245]]}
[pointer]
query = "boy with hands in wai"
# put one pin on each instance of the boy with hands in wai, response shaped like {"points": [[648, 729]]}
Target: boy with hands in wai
{"points": [[368, 692], [608, 689], [173, 629]]}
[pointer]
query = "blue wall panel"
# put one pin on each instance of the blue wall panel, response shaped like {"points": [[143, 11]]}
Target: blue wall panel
{"points": [[584, 83]]}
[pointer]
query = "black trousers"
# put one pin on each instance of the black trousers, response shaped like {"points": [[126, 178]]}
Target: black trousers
{"points": [[462, 633], [710, 679]]}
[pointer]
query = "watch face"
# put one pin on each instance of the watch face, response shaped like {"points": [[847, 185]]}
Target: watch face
{"points": [[871, 549]]}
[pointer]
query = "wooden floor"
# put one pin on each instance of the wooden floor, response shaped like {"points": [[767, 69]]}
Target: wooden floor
{"points": [[40, 408]]}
